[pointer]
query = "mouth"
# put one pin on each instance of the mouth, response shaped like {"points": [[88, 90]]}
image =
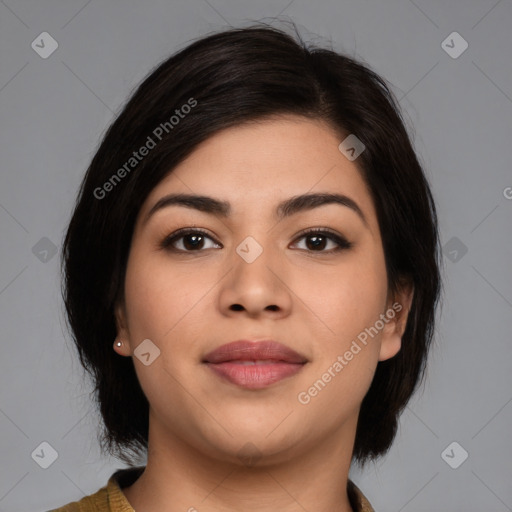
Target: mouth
{"points": [[254, 365]]}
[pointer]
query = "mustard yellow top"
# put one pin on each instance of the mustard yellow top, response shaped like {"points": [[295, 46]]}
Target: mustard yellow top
{"points": [[111, 498]]}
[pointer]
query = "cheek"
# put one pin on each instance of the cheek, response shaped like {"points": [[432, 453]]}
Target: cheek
{"points": [[346, 356], [160, 307], [159, 297], [348, 299]]}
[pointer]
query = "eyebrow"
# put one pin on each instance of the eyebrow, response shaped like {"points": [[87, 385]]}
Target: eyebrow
{"points": [[284, 209]]}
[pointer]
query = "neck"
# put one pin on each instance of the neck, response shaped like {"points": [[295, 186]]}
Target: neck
{"points": [[180, 477]]}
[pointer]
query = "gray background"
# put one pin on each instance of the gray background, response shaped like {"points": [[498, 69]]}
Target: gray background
{"points": [[459, 110]]}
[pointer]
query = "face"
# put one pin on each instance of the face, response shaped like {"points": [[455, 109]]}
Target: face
{"points": [[253, 272]]}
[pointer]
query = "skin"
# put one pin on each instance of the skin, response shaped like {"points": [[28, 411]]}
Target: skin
{"points": [[314, 300]]}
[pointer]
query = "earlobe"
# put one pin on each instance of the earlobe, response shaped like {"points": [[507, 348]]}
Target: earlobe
{"points": [[397, 313]]}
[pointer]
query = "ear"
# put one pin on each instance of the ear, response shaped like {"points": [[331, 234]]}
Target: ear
{"points": [[122, 329], [395, 319]]}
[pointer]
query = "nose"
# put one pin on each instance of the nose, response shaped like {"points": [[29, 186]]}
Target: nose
{"points": [[257, 288]]}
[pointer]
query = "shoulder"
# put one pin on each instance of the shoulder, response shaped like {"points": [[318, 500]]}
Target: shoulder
{"points": [[94, 502], [109, 498], [97, 502], [357, 499]]}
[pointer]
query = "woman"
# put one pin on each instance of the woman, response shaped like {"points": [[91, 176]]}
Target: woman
{"points": [[251, 277]]}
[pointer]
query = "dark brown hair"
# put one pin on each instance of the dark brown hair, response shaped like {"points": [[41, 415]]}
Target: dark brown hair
{"points": [[237, 76]]}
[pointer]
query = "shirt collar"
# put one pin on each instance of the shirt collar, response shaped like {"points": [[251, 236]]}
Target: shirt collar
{"points": [[127, 476]]}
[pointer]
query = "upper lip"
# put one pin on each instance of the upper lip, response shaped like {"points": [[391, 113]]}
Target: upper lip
{"points": [[246, 350]]}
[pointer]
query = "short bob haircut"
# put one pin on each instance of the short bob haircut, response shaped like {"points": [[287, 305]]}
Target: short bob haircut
{"points": [[229, 78]]}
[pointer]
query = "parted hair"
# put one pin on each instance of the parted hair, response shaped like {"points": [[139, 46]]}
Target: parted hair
{"points": [[237, 76]]}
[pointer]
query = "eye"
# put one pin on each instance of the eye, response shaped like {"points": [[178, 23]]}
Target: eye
{"points": [[190, 240], [317, 240], [193, 240]]}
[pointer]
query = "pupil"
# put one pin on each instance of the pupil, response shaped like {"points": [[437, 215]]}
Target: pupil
{"points": [[193, 245], [317, 244]]}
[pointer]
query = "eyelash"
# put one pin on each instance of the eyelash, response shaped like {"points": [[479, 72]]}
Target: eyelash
{"points": [[342, 243]]}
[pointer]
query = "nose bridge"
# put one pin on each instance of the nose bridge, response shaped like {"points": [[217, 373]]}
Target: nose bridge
{"points": [[253, 258], [253, 233]]}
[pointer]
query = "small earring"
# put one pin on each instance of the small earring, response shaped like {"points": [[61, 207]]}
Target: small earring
{"points": [[119, 343]]}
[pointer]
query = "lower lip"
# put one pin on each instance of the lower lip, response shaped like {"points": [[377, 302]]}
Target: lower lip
{"points": [[255, 376]]}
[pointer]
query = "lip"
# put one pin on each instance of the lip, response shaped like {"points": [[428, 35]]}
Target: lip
{"points": [[254, 365], [245, 350]]}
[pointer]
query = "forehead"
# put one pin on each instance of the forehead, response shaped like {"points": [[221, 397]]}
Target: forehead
{"points": [[258, 164]]}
